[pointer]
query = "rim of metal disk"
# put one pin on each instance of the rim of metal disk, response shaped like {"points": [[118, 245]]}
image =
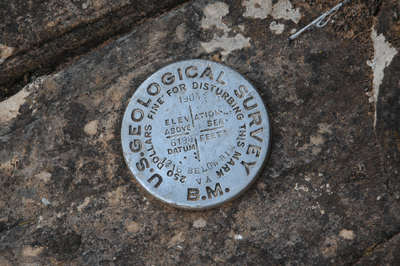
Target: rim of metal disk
{"points": [[196, 134]]}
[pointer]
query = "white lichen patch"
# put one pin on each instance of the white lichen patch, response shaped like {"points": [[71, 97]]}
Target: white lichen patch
{"points": [[383, 55], [180, 32], [263, 8], [347, 234], [32, 252], [9, 108], [44, 176], [297, 187], [8, 166], [258, 8], [316, 141], [199, 223], [45, 201], [213, 14], [132, 226], [238, 237], [115, 197], [176, 239], [284, 9], [91, 127], [5, 52], [84, 204], [324, 129], [228, 44], [277, 28], [85, 5]]}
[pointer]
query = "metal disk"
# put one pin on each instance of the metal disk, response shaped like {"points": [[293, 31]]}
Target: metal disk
{"points": [[195, 134]]}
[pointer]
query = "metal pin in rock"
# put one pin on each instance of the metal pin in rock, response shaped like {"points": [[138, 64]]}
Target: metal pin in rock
{"points": [[319, 22]]}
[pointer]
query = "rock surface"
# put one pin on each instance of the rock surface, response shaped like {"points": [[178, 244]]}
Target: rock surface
{"points": [[329, 194], [37, 36]]}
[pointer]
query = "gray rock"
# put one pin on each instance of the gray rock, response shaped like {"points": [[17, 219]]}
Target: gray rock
{"points": [[44, 34], [327, 195]]}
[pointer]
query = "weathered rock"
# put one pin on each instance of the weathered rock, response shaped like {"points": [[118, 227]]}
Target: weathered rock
{"points": [[37, 36], [388, 130], [326, 197], [387, 253]]}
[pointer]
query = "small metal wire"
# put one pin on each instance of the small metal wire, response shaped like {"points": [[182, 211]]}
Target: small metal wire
{"points": [[320, 21]]}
